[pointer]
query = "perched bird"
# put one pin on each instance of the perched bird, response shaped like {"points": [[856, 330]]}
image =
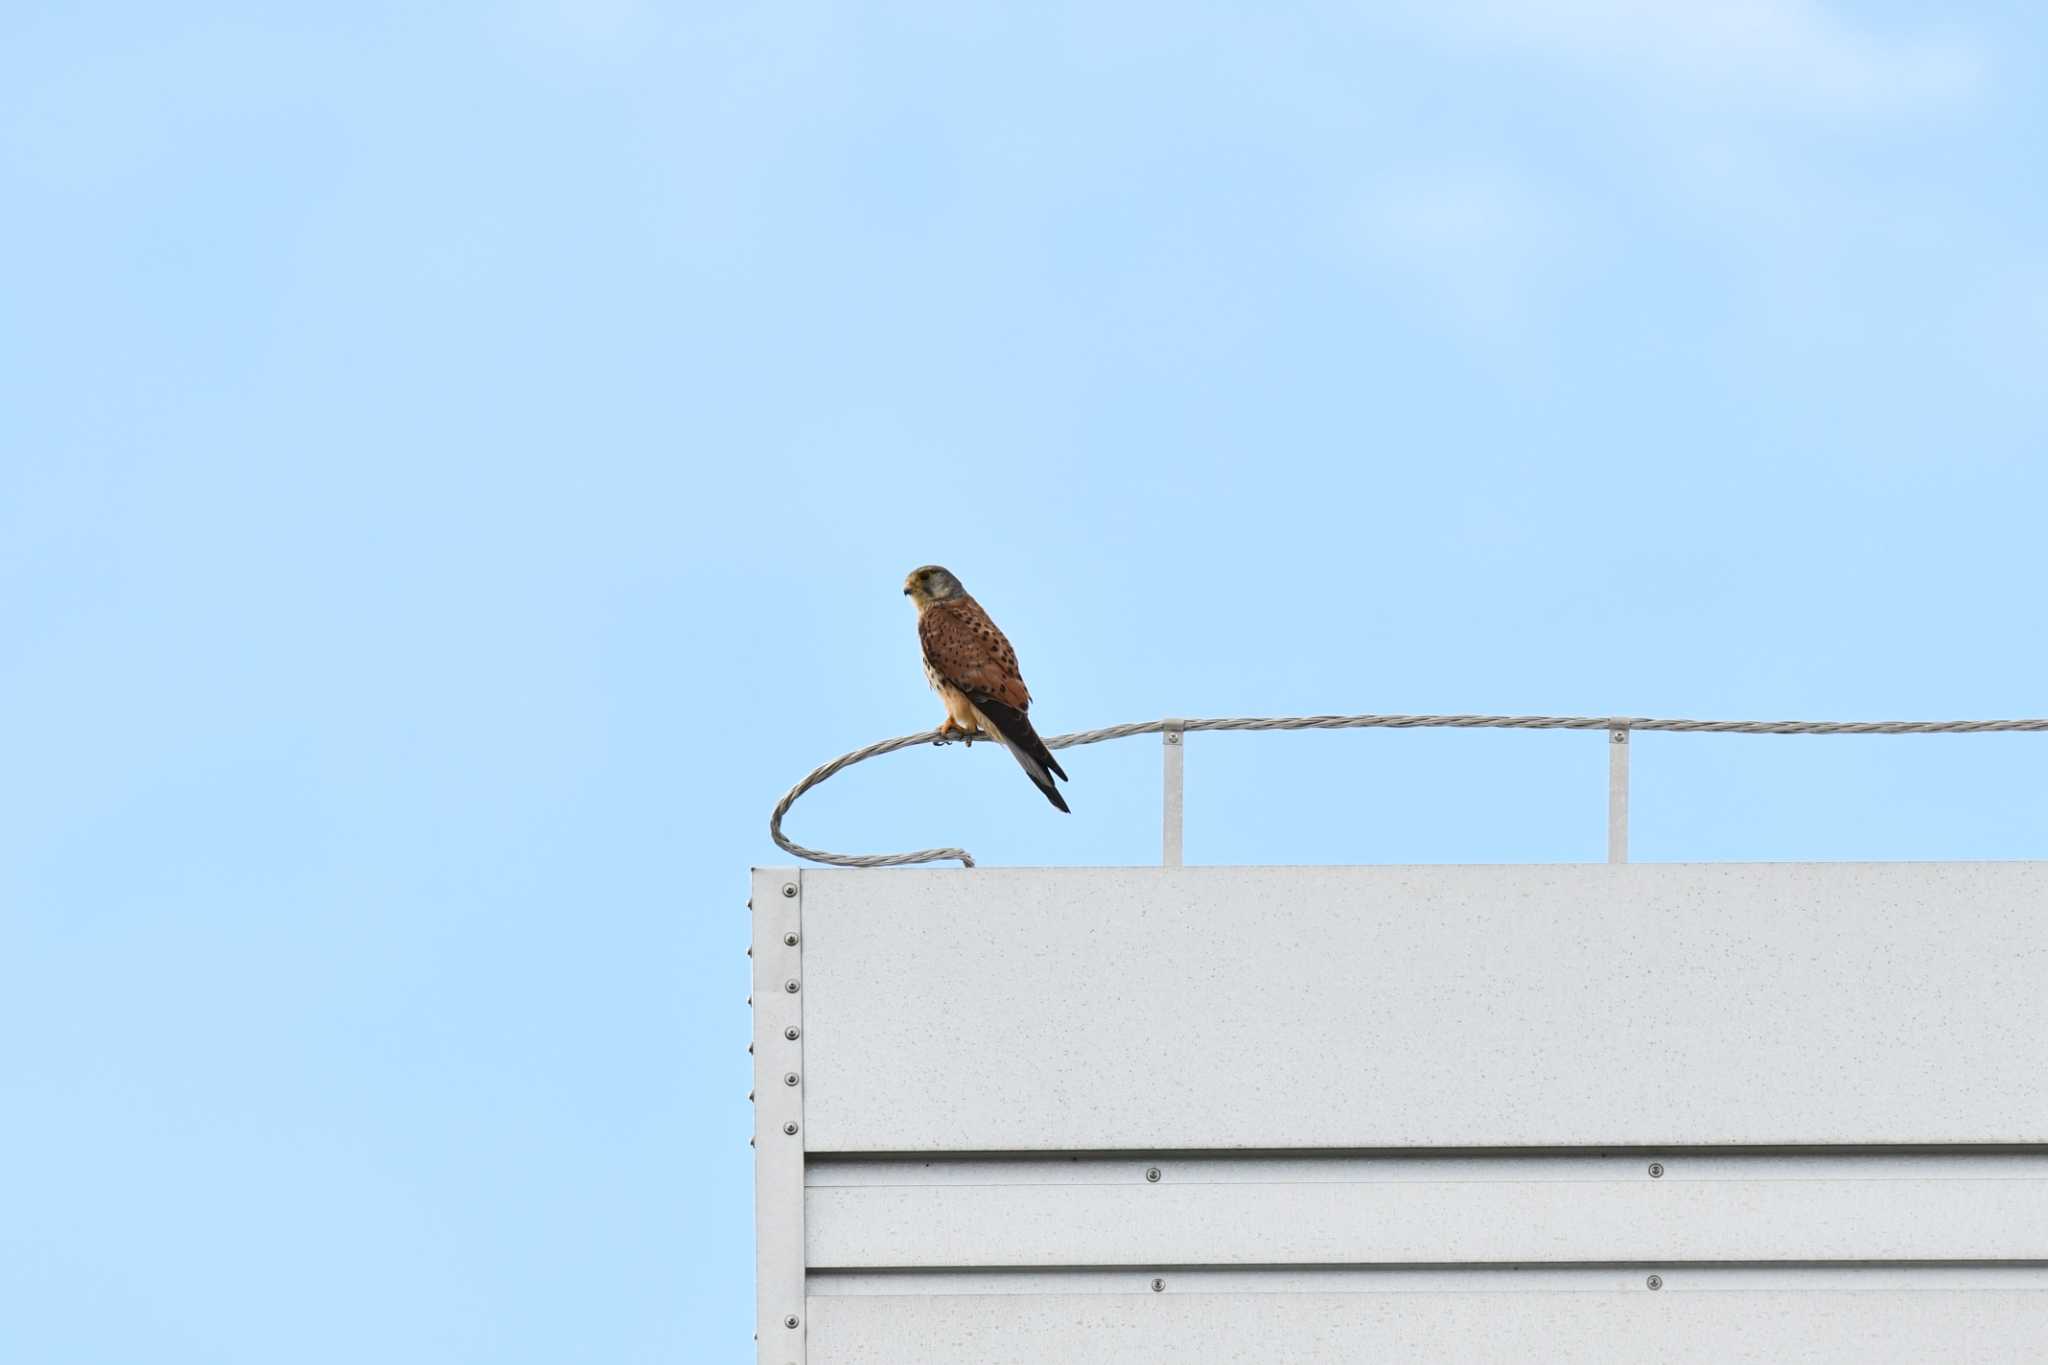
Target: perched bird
{"points": [[973, 669]]}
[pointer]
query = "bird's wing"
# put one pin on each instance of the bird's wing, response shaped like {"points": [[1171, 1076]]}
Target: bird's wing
{"points": [[965, 649]]}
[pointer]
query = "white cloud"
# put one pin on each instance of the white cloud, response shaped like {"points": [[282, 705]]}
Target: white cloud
{"points": [[1783, 53]]}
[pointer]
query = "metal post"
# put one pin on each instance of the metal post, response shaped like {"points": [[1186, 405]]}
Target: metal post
{"points": [[1617, 795], [1170, 839]]}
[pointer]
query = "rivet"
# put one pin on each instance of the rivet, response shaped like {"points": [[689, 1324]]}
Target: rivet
{"points": [[1152, 1174], [790, 1322], [1159, 1286], [789, 940], [791, 986], [789, 891], [790, 1079], [789, 1128], [1656, 1170], [1655, 1282], [792, 1033]]}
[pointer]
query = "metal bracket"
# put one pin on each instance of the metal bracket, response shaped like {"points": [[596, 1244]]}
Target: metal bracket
{"points": [[1170, 834], [781, 1314], [1617, 794]]}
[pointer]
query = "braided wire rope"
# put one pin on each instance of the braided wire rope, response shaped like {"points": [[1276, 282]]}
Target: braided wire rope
{"points": [[1367, 722]]}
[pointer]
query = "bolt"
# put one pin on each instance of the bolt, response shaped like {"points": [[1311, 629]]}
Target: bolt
{"points": [[1655, 1282], [1173, 736], [791, 986], [790, 1079], [1159, 1286], [789, 1128], [1152, 1174], [789, 891], [1618, 736], [792, 1032], [790, 1322], [789, 940], [1656, 1170]]}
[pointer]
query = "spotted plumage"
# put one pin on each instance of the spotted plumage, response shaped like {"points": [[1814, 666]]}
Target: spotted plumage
{"points": [[972, 667]]}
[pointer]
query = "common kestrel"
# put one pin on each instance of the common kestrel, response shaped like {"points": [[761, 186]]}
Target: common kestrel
{"points": [[971, 666]]}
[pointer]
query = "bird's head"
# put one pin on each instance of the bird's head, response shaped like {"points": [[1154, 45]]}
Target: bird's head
{"points": [[931, 584]]}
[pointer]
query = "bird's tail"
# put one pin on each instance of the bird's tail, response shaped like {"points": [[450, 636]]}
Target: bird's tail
{"points": [[1013, 728]]}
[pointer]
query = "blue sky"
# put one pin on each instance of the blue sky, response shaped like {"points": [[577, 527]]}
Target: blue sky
{"points": [[457, 465]]}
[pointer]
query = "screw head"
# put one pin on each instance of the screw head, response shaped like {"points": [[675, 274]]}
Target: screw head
{"points": [[789, 891], [792, 1033], [1159, 1286], [789, 940], [789, 1128], [1655, 1282], [791, 986], [790, 1079], [1617, 736], [790, 1322], [1656, 1170], [1152, 1174]]}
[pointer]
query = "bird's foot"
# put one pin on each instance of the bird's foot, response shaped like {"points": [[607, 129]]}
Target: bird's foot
{"points": [[951, 731]]}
